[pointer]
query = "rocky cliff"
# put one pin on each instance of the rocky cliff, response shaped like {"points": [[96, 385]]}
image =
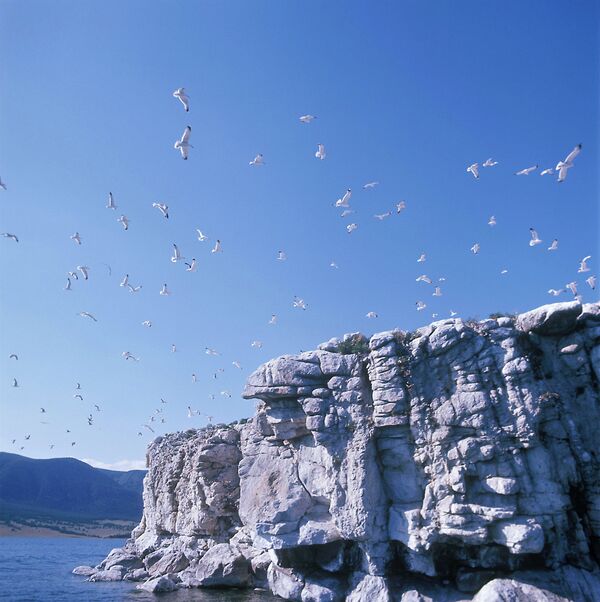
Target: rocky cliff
{"points": [[407, 466]]}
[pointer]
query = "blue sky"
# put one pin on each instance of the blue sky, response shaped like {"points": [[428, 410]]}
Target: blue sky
{"points": [[406, 93]]}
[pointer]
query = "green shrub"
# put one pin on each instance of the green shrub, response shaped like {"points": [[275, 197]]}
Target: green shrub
{"points": [[355, 344]]}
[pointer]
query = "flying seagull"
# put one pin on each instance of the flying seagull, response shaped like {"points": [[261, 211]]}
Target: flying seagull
{"points": [[372, 314], [474, 169], [307, 118], [217, 247], [382, 216], [572, 286], [273, 320], [346, 212], [370, 185], [162, 208], [129, 356], [475, 248], [184, 143], [183, 98], [210, 351], [437, 292], [555, 292], [299, 303], [320, 154], [583, 266], [134, 289], [125, 281], [547, 172], [191, 267], [176, 254], [13, 356], [86, 314], [420, 305], [351, 227], [554, 245], [9, 235], [424, 278], [281, 256], [124, 221], [201, 237], [111, 201], [562, 167], [257, 161], [84, 271], [489, 163], [147, 323], [76, 238], [591, 282], [164, 291], [2, 184], [68, 287], [343, 202], [492, 221], [526, 171], [401, 206], [535, 239], [422, 258], [15, 383]]}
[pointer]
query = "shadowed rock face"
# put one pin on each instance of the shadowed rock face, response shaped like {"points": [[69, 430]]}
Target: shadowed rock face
{"points": [[462, 451]]}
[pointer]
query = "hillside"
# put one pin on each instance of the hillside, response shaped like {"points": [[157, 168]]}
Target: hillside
{"points": [[65, 492]]}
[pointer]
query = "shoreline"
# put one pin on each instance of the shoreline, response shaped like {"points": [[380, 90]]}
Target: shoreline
{"points": [[89, 532]]}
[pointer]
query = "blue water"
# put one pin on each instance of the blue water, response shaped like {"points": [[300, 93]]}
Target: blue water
{"points": [[38, 569]]}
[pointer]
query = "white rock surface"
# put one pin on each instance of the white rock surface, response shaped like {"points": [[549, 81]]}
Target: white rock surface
{"points": [[460, 451]]}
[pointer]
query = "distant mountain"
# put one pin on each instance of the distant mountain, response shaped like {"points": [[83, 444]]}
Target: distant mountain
{"points": [[66, 488]]}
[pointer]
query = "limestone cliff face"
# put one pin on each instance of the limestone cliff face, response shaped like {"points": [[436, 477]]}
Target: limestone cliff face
{"points": [[452, 455]]}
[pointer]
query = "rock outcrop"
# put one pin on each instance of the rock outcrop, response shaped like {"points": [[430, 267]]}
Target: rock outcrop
{"points": [[406, 466]]}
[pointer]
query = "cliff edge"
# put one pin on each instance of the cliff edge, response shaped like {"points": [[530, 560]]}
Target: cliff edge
{"points": [[408, 466]]}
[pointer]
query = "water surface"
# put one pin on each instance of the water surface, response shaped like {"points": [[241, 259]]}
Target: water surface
{"points": [[36, 569]]}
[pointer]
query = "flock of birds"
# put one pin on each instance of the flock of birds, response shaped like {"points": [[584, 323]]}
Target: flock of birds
{"points": [[183, 145]]}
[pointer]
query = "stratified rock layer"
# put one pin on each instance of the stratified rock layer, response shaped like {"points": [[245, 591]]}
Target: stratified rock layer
{"points": [[455, 454]]}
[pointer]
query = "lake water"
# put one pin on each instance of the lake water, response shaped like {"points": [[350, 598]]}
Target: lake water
{"points": [[38, 569]]}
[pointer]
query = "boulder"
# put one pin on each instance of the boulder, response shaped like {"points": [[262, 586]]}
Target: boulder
{"points": [[172, 562], [158, 585], [369, 587], [223, 566], [115, 573], [86, 571], [285, 583], [508, 590], [553, 319]]}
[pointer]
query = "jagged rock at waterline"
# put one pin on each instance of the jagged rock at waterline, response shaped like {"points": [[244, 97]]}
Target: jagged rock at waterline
{"points": [[406, 466]]}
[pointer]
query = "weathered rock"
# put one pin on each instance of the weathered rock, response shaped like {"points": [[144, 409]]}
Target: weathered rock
{"points": [[507, 590], [223, 566], [84, 570], [172, 562], [557, 318], [370, 587], [158, 585], [115, 573], [286, 583], [136, 575], [322, 590], [461, 451]]}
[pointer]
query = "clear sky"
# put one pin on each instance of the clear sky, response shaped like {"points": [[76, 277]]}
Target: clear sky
{"points": [[405, 93]]}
